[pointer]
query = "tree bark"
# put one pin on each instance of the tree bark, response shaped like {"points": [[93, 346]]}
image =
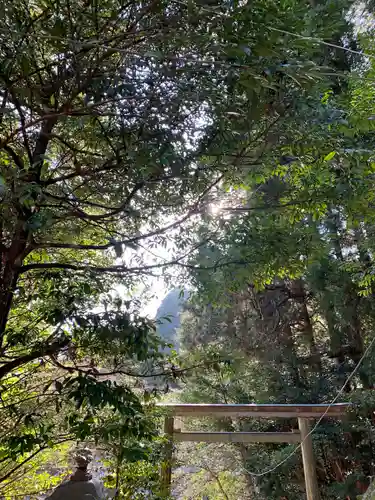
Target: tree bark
{"points": [[299, 294], [12, 258]]}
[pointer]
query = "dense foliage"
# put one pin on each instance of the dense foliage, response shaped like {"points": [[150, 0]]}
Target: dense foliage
{"points": [[290, 302], [99, 129], [228, 141]]}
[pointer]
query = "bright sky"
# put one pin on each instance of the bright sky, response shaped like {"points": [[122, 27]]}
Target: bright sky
{"points": [[151, 290], [158, 292]]}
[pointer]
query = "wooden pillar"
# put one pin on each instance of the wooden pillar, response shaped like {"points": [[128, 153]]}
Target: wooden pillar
{"points": [[309, 467], [166, 468]]}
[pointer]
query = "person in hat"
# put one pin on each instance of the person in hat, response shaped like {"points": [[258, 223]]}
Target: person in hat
{"points": [[81, 485]]}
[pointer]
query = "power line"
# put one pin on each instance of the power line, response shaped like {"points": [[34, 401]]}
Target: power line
{"points": [[96, 43], [323, 42], [355, 370], [193, 61], [315, 39]]}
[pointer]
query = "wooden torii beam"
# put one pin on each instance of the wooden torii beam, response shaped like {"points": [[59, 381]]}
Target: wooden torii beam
{"points": [[303, 413]]}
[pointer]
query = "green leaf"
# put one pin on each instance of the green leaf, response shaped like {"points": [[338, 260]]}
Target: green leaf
{"points": [[329, 156]]}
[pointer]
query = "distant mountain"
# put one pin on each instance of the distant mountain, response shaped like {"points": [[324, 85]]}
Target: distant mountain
{"points": [[168, 315]]}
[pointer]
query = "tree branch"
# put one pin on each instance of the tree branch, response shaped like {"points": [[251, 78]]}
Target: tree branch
{"points": [[76, 173], [35, 354], [172, 372], [18, 466], [76, 246], [70, 146], [83, 215], [120, 270], [23, 123], [41, 145], [15, 157]]}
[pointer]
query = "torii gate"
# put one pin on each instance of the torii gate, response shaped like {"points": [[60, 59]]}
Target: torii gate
{"points": [[303, 413]]}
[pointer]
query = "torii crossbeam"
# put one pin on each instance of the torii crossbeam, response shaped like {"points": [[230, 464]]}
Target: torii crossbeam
{"points": [[303, 413]]}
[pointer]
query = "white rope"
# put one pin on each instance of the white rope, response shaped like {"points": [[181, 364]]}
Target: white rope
{"points": [[356, 368]]}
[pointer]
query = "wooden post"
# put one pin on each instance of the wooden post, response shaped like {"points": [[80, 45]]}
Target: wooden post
{"points": [[166, 468], [309, 467], [302, 412]]}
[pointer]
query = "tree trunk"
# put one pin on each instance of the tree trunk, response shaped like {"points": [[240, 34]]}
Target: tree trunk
{"points": [[299, 295], [12, 258], [354, 332], [352, 324], [251, 481]]}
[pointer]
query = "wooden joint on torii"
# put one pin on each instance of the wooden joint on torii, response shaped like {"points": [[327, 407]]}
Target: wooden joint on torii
{"points": [[303, 413]]}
